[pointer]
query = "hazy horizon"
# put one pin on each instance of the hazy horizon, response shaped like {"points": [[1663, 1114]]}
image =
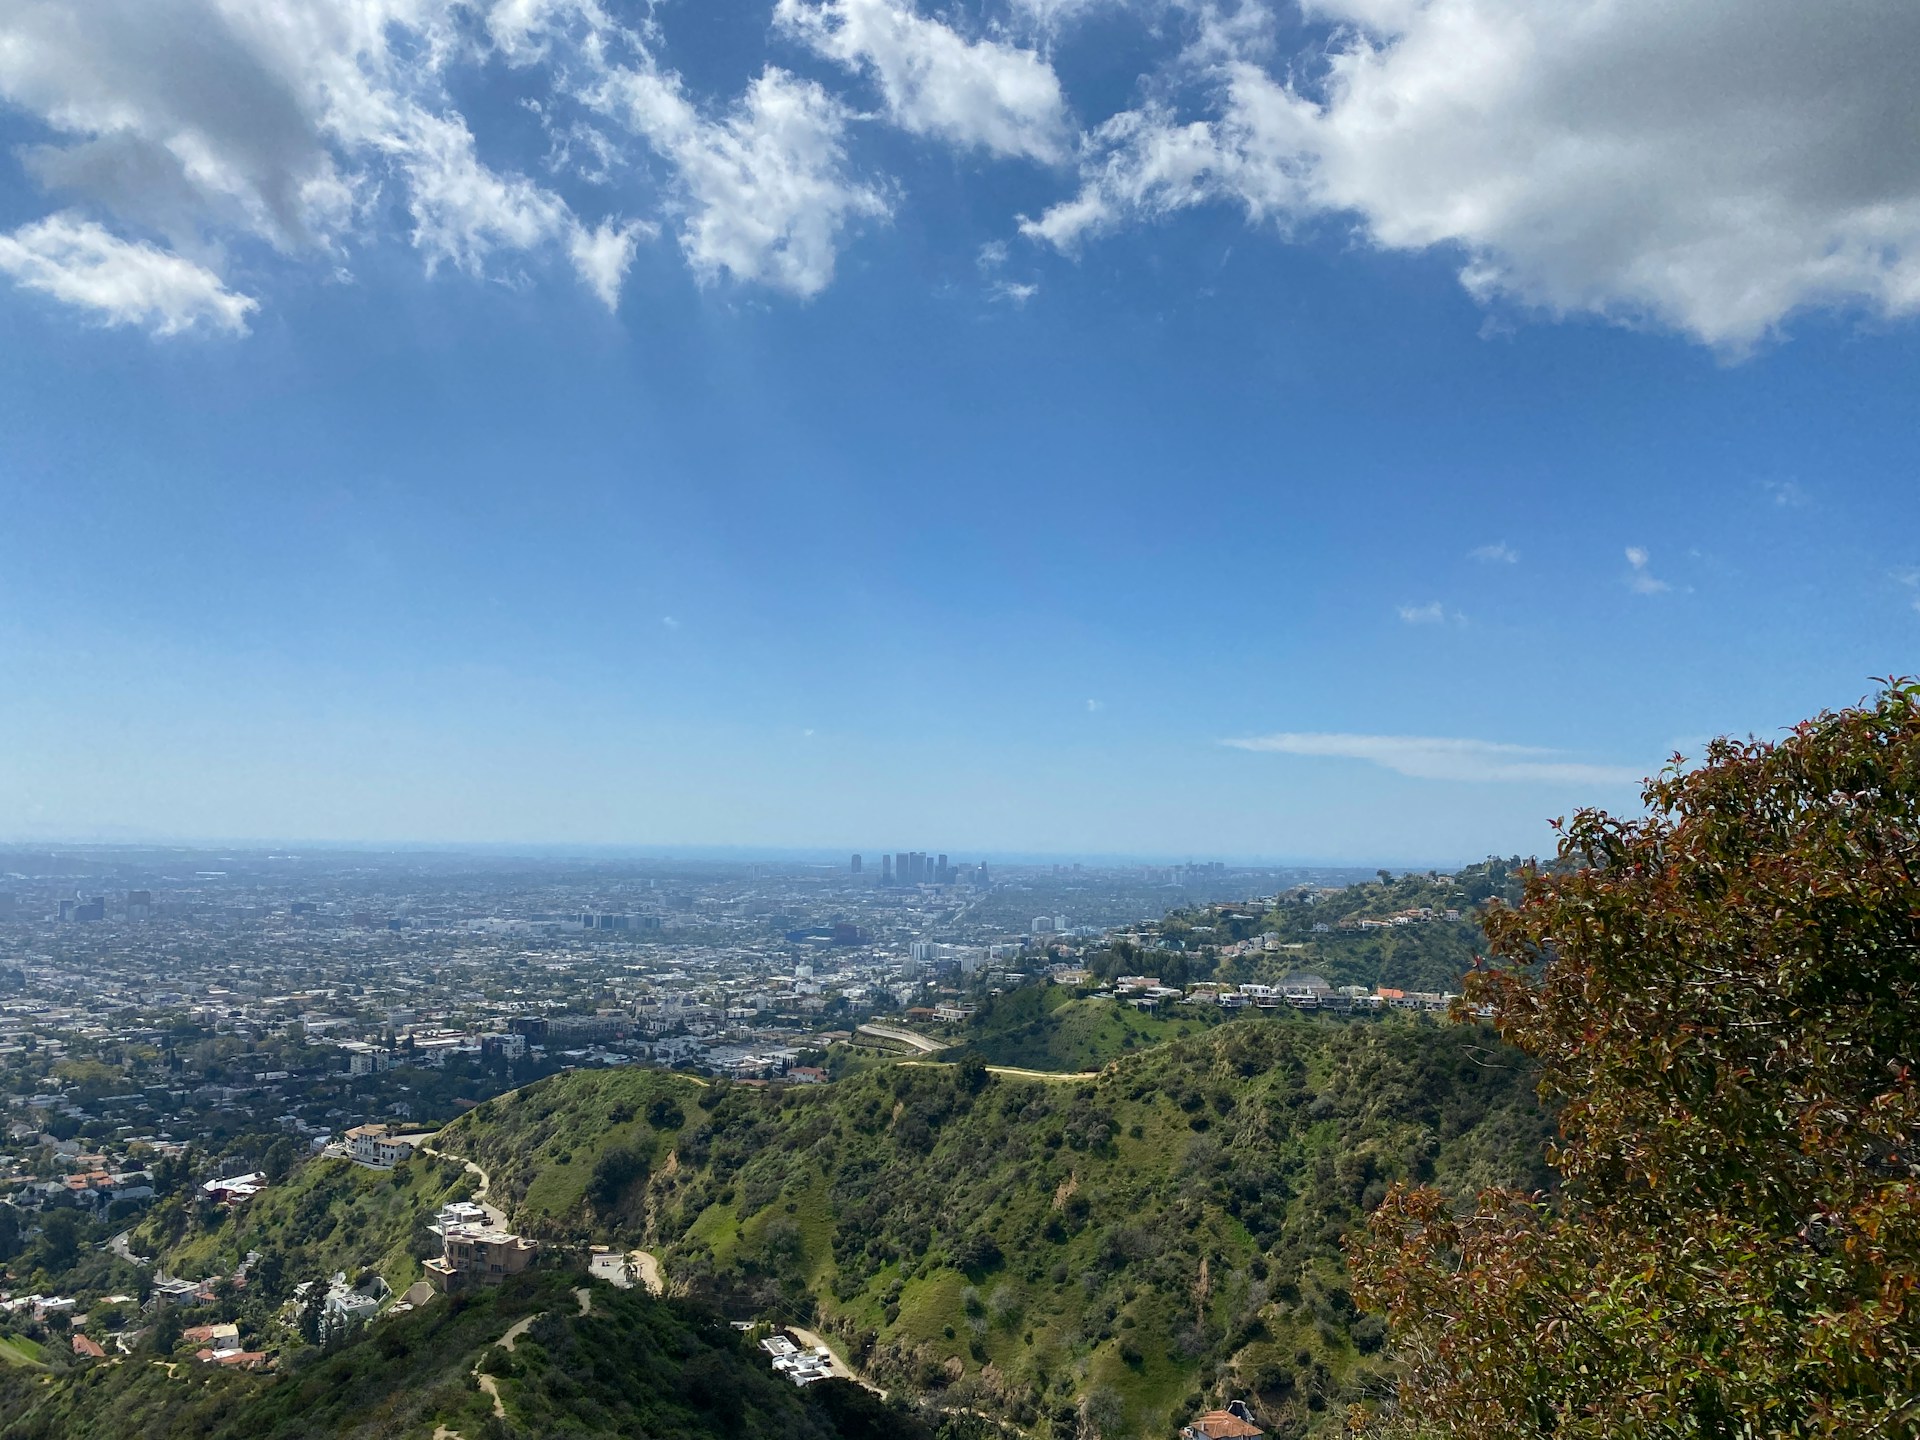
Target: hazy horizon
{"points": [[816, 856]]}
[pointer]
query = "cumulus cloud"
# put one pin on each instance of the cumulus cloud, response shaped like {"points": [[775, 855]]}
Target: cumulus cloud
{"points": [[1431, 613], [934, 81], [1640, 577], [1712, 167], [767, 187], [280, 121], [118, 282], [177, 113], [1498, 553], [1431, 758]]}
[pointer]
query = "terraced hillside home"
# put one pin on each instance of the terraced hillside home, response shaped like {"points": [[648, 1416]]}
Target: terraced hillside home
{"points": [[479, 1254]]}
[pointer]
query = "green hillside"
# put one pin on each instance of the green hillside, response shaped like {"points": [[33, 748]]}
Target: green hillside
{"points": [[1319, 930], [329, 1215], [631, 1366], [1044, 1027], [1120, 1249]]}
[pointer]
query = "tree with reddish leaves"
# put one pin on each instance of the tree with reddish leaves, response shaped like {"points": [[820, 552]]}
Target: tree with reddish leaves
{"points": [[1723, 999]]}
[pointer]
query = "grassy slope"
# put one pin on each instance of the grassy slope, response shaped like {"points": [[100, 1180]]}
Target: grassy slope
{"points": [[330, 1215], [1043, 1027], [1415, 957], [539, 1145], [1164, 1234], [634, 1366], [1429, 956]]}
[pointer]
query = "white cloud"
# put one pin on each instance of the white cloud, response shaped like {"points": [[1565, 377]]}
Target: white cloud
{"points": [[1431, 613], [602, 256], [670, 622], [1147, 164], [174, 114], [524, 31], [1430, 758], [1498, 553], [1640, 577], [1095, 705], [462, 210], [1712, 166], [281, 121], [991, 259], [767, 188], [1787, 494], [119, 283], [936, 82]]}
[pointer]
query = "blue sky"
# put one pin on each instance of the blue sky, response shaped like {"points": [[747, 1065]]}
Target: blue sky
{"points": [[1096, 428]]}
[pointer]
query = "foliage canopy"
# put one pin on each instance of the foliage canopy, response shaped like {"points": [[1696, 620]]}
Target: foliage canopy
{"points": [[1724, 999]]}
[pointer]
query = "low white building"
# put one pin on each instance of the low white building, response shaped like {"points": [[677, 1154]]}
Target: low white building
{"points": [[459, 1215], [345, 1305]]}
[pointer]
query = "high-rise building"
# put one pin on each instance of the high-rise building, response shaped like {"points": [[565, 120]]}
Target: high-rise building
{"points": [[886, 869], [903, 867], [942, 875], [855, 867]]}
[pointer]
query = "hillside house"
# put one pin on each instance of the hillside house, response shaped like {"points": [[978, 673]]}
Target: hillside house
{"points": [[235, 1188], [479, 1255], [376, 1148], [220, 1339], [1233, 1423], [346, 1305]]}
